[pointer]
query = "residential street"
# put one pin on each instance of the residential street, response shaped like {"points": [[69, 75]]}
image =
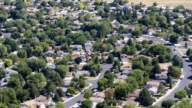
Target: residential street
{"points": [[186, 72], [94, 85]]}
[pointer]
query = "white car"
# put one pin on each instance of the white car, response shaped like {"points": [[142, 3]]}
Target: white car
{"points": [[182, 77]]}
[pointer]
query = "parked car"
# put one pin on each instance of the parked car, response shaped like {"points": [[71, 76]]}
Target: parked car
{"points": [[182, 77]]}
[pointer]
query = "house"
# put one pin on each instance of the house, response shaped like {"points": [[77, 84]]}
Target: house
{"points": [[119, 45], [125, 72], [39, 102], [78, 73], [153, 90], [170, 9], [64, 89], [49, 53], [127, 67], [127, 7], [88, 47], [50, 59], [52, 66], [75, 54], [76, 47], [161, 76], [10, 72], [151, 84], [133, 97], [150, 32], [33, 57], [164, 67], [61, 53], [67, 80], [126, 36], [96, 100]]}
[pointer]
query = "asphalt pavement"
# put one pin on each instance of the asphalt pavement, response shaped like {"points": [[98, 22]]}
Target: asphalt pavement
{"points": [[94, 85], [187, 72]]}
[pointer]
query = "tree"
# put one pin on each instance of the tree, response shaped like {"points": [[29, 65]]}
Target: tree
{"points": [[190, 57], [174, 71], [132, 83], [138, 75], [59, 105], [130, 105], [8, 62], [145, 97], [190, 85], [13, 57], [16, 35], [180, 94], [155, 4], [167, 103], [38, 51], [56, 98], [3, 18], [137, 32], [88, 93], [189, 52], [174, 38], [43, 4], [24, 71], [86, 103], [110, 58], [122, 91], [22, 53], [169, 80], [161, 88], [156, 69], [60, 92], [36, 64], [109, 93], [161, 59], [125, 50], [22, 94], [102, 84], [62, 70], [6, 2], [179, 21], [14, 83], [71, 90], [80, 5], [3, 51], [2, 73], [177, 61]]}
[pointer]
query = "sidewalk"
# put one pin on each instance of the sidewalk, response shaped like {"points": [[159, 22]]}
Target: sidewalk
{"points": [[78, 94]]}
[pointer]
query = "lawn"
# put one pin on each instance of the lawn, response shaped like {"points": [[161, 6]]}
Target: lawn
{"points": [[87, 84], [91, 78], [182, 47], [159, 95], [184, 52], [77, 92]]}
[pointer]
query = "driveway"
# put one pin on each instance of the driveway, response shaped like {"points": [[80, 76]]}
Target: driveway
{"points": [[94, 85], [186, 71]]}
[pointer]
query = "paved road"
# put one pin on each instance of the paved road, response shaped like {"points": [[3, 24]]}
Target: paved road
{"points": [[186, 72], [94, 85]]}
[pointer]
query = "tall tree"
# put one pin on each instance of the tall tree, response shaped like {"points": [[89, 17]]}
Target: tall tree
{"points": [[145, 97]]}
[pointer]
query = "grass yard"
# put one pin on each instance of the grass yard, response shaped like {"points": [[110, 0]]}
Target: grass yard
{"points": [[87, 84], [91, 78], [76, 92], [184, 52], [182, 47], [159, 95]]}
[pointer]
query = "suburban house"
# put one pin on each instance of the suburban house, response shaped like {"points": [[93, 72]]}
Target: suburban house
{"points": [[52, 66], [39, 102], [33, 57], [88, 47], [150, 32], [67, 80], [152, 86], [49, 59], [126, 36], [164, 67], [96, 100], [161, 76], [10, 72], [49, 53], [78, 73], [76, 47], [119, 45], [126, 67], [61, 53]]}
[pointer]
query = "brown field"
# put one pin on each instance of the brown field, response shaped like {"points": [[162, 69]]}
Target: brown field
{"points": [[172, 3]]}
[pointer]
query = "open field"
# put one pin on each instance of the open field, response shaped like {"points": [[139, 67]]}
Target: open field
{"points": [[172, 3]]}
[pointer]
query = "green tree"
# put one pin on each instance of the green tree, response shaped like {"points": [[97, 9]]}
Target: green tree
{"points": [[36, 64], [125, 50], [156, 69], [189, 52], [138, 75], [13, 57], [161, 59], [137, 32], [3, 51], [16, 35], [86, 103], [177, 61], [80, 5], [145, 97], [167, 103], [161, 88], [71, 90], [110, 58], [22, 53], [179, 21], [174, 38], [2, 73], [14, 83], [38, 51], [88, 93], [56, 98], [3, 18], [8, 62], [24, 71], [59, 105], [62, 70], [155, 4], [122, 91], [132, 83], [60, 92], [174, 71], [180, 94]]}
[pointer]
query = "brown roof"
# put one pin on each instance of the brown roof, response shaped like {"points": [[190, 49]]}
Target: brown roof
{"points": [[49, 59], [43, 99], [102, 95], [96, 98], [152, 83], [164, 67]]}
